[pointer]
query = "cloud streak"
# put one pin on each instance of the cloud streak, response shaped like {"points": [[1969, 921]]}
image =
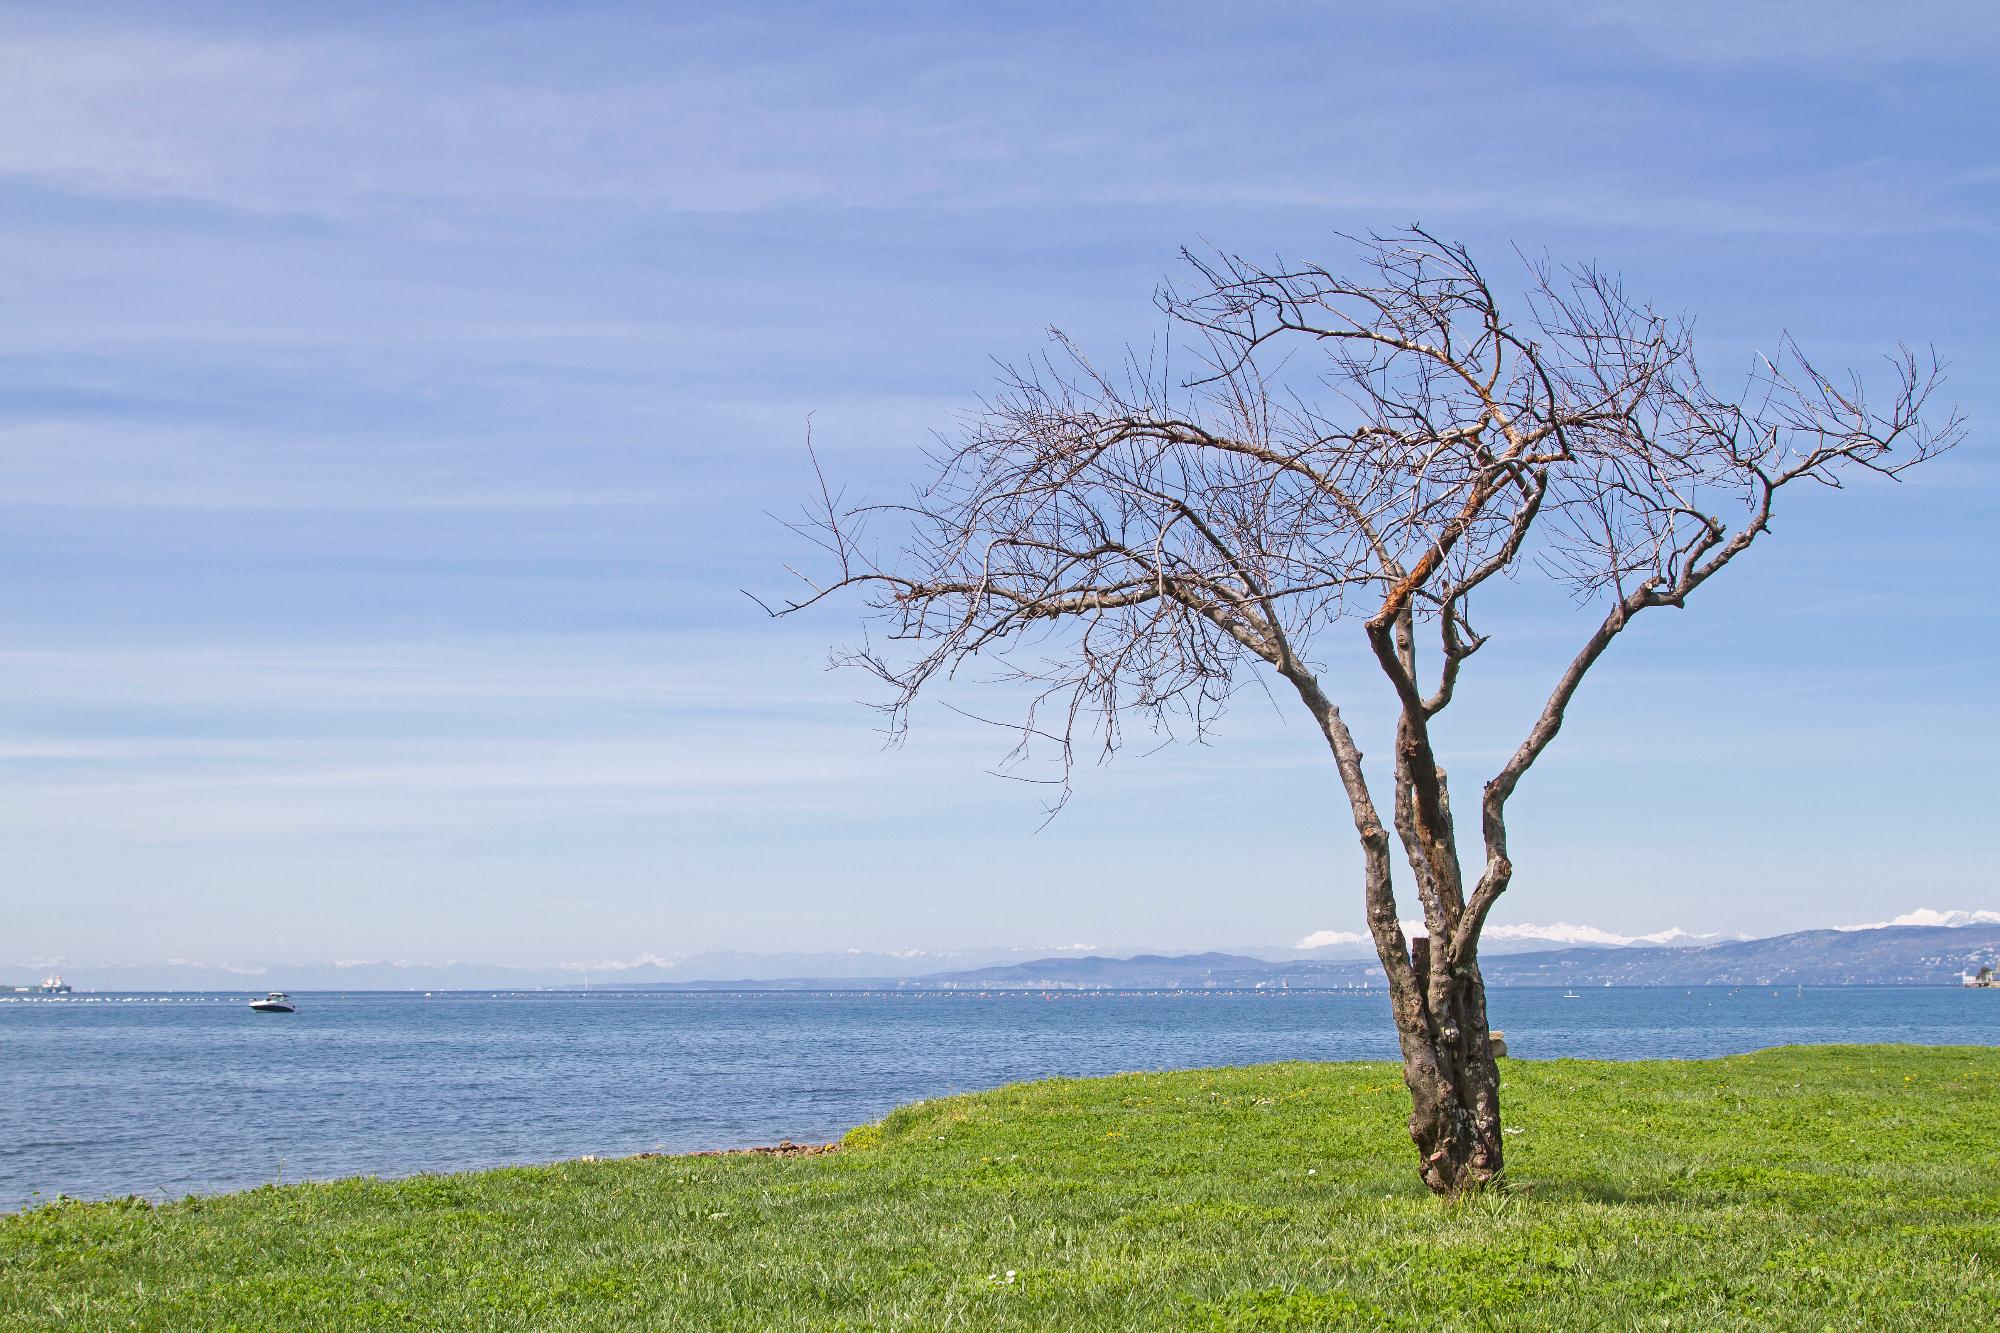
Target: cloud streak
{"points": [[730, 113], [446, 361]]}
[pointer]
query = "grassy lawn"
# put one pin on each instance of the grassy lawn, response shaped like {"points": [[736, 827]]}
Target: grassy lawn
{"points": [[1799, 1188]]}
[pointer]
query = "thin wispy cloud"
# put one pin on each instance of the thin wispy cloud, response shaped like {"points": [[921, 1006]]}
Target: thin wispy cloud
{"points": [[1838, 34], [395, 399], [738, 113]]}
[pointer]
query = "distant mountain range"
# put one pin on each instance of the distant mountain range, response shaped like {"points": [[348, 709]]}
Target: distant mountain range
{"points": [[848, 967], [379, 974], [1889, 956], [1893, 954]]}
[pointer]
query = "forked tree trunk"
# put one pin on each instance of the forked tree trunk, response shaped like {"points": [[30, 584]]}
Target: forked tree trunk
{"points": [[1440, 1013], [1449, 1067]]}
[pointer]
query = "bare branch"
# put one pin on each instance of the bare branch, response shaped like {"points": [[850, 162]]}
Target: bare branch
{"points": [[1380, 446]]}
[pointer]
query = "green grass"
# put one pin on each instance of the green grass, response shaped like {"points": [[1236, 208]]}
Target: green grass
{"points": [[1799, 1188]]}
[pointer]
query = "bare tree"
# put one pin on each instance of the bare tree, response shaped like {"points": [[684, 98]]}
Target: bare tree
{"points": [[1374, 449]]}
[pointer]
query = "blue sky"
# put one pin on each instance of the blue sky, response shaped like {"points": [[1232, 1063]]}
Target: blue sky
{"points": [[394, 398]]}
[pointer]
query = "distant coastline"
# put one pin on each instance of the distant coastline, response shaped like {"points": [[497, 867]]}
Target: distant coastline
{"points": [[1893, 956], [1887, 956]]}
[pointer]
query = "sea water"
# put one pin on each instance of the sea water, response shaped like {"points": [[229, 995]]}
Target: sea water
{"points": [[167, 1095]]}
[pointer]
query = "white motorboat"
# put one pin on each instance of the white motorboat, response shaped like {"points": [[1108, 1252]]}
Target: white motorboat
{"points": [[277, 1002]]}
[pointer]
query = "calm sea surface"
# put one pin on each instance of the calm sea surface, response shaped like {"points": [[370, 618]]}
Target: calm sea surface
{"points": [[170, 1095]]}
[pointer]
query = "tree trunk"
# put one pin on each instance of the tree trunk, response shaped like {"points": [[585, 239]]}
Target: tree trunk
{"points": [[1440, 1019], [1449, 1067]]}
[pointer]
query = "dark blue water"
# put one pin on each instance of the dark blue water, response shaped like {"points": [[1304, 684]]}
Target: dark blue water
{"points": [[174, 1095]]}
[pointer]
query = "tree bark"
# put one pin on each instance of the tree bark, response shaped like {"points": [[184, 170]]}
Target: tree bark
{"points": [[1448, 1065]]}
